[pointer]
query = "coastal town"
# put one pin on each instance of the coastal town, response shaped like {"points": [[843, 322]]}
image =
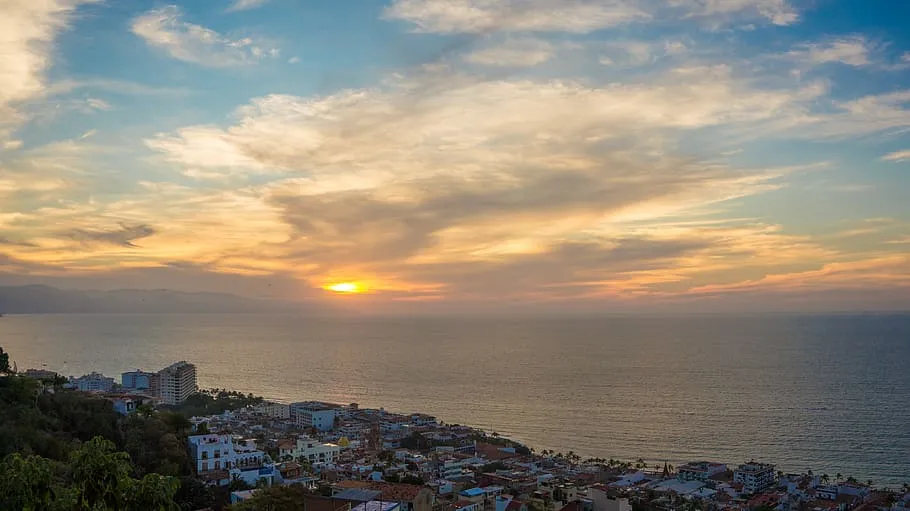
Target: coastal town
{"points": [[350, 458]]}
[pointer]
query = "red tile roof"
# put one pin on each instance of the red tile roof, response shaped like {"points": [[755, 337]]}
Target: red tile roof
{"points": [[573, 506], [394, 492], [514, 505]]}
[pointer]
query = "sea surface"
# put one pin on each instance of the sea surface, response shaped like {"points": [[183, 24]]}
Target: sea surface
{"points": [[830, 393]]}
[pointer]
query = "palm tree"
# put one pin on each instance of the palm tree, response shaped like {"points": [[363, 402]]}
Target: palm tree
{"points": [[839, 476], [825, 478], [869, 482]]}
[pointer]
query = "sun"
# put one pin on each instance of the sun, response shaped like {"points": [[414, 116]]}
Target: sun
{"points": [[345, 287]]}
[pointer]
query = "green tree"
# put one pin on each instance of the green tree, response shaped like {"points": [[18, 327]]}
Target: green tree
{"points": [[26, 483], [101, 480], [194, 494], [276, 498], [4, 361], [101, 475], [154, 492], [238, 484]]}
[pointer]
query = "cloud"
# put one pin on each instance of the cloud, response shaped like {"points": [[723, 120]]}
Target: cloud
{"points": [[27, 32], [778, 12], [444, 169], [164, 29], [852, 51], [628, 53], [115, 87], [897, 156], [377, 133], [122, 237], [244, 5], [12, 243], [513, 53], [573, 16], [875, 113], [479, 16]]}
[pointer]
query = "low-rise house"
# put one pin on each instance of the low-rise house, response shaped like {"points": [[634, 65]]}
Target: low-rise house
{"points": [[699, 471], [507, 503], [273, 410], [472, 494], [678, 487], [124, 405], [376, 505], [466, 505], [309, 450], [412, 497], [603, 501]]}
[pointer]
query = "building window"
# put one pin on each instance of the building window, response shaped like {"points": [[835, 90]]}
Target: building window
{"points": [[205, 466]]}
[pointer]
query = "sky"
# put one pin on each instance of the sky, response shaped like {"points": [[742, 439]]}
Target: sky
{"points": [[445, 155]]}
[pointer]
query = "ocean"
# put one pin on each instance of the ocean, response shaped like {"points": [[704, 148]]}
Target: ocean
{"points": [[830, 393]]}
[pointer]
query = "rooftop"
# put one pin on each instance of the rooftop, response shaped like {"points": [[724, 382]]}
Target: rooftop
{"points": [[377, 506]]}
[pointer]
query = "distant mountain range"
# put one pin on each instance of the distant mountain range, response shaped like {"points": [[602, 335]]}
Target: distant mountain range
{"points": [[38, 299]]}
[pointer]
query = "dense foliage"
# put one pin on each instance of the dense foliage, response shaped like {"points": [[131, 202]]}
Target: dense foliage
{"points": [[62, 449], [97, 477], [277, 498], [215, 402]]}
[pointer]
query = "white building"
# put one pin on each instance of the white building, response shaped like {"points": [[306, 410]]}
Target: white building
{"points": [[275, 410], [93, 382], [221, 458], [700, 471], [177, 382], [312, 451], [313, 415], [139, 380], [453, 468], [603, 502], [755, 477]]}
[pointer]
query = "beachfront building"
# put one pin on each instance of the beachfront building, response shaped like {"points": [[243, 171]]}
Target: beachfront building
{"points": [[93, 382], [310, 450], [139, 381], [313, 415], [700, 471], [177, 382], [755, 477], [274, 410], [221, 458]]}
